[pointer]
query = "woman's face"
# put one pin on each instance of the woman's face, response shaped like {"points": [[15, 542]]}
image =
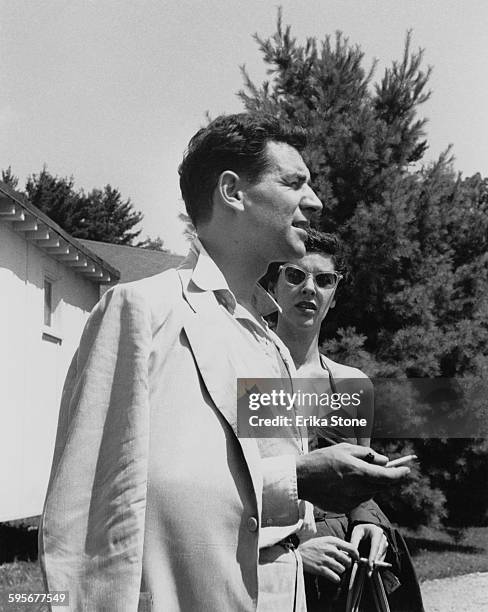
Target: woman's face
{"points": [[305, 305]]}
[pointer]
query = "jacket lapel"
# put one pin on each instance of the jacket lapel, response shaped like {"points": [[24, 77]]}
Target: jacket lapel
{"points": [[217, 372], [203, 330]]}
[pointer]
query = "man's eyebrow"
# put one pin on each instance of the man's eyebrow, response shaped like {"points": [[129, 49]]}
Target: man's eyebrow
{"points": [[298, 174]]}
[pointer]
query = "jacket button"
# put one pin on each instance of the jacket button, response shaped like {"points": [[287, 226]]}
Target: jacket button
{"points": [[252, 523]]}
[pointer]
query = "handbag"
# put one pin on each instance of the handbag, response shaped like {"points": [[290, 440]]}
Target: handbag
{"points": [[359, 582]]}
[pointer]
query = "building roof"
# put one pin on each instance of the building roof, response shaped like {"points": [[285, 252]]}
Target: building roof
{"points": [[133, 263], [39, 229]]}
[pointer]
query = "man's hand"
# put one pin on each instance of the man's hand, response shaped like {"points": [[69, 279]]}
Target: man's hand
{"points": [[342, 476], [328, 556], [378, 544]]}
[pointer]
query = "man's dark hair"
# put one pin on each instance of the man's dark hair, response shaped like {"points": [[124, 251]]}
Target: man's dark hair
{"points": [[229, 142], [325, 244]]}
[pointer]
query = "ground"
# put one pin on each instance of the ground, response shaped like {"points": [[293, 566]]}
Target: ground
{"points": [[459, 594], [452, 566]]}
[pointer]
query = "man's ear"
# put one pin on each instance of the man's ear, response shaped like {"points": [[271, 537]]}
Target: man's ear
{"points": [[332, 304], [229, 189]]}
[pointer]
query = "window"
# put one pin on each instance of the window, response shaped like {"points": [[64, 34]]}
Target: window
{"points": [[52, 323], [48, 302]]}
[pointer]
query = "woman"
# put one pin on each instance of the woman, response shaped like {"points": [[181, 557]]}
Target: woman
{"points": [[305, 291]]}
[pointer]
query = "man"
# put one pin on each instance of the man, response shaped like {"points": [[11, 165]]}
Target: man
{"points": [[151, 490]]}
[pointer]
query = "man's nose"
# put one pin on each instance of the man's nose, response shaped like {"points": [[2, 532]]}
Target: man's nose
{"points": [[310, 204]]}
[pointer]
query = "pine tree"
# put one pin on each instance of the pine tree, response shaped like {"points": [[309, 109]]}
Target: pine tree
{"points": [[415, 304], [101, 214], [9, 178], [152, 244]]}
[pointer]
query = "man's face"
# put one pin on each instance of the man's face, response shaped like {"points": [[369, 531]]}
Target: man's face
{"points": [[279, 206]]}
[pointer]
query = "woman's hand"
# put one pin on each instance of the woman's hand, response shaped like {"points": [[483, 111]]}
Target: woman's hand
{"points": [[378, 544], [328, 556]]}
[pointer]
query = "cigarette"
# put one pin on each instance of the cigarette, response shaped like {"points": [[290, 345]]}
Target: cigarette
{"points": [[401, 461], [376, 563]]}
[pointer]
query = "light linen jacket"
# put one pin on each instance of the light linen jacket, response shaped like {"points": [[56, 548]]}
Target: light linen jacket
{"points": [[150, 488]]}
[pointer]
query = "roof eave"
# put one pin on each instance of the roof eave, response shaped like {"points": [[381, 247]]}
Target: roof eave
{"points": [[38, 228]]}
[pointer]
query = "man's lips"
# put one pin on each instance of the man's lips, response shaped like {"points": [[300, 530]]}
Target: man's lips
{"points": [[306, 306], [301, 226]]}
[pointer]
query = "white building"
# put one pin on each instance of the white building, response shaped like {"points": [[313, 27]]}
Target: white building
{"points": [[49, 282]]}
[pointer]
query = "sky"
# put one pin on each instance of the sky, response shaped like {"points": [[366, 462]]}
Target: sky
{"points": [[110, 91]]}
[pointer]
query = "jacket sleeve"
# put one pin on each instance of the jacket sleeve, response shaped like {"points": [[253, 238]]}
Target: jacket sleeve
{"points": [[280, 497], [369, 512], [92, 528]]}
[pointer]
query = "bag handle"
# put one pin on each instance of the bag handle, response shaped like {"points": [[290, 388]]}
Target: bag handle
{"points": [[358, 581]]}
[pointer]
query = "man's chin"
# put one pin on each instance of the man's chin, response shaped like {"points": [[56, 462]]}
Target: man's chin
{"points": [[292, 248], [297, 249]]}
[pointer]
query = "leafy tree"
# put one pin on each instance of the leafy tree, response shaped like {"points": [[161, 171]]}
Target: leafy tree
{"points": [[108, 217], [416, 300], [56, 197], [153, 244], [9, 178], [101, 214]]}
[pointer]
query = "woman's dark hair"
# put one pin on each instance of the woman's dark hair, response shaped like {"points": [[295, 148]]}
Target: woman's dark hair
{"points": [[230, 142], [326, 244]]}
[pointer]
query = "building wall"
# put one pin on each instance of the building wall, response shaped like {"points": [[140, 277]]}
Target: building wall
{"points": [[34, 360]]}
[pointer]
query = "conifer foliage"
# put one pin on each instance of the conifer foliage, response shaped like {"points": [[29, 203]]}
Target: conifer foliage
{"points": [[101, 214], [416, 300]]}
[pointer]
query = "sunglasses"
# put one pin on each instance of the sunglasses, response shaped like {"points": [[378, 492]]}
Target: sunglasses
{"points": [[296, 276]]}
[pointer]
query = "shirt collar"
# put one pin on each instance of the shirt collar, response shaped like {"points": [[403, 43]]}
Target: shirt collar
{"points": [[207, 276]]}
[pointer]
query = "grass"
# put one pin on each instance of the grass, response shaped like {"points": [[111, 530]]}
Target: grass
{"points": [[20, 574], [21, 577], [436, 554], [441, 554]]}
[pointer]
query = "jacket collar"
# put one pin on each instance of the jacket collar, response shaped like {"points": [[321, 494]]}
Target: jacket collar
{"points": [[201, 277]]}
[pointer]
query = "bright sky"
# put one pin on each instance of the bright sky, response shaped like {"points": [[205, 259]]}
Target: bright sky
{"points": [[110, 91]]}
